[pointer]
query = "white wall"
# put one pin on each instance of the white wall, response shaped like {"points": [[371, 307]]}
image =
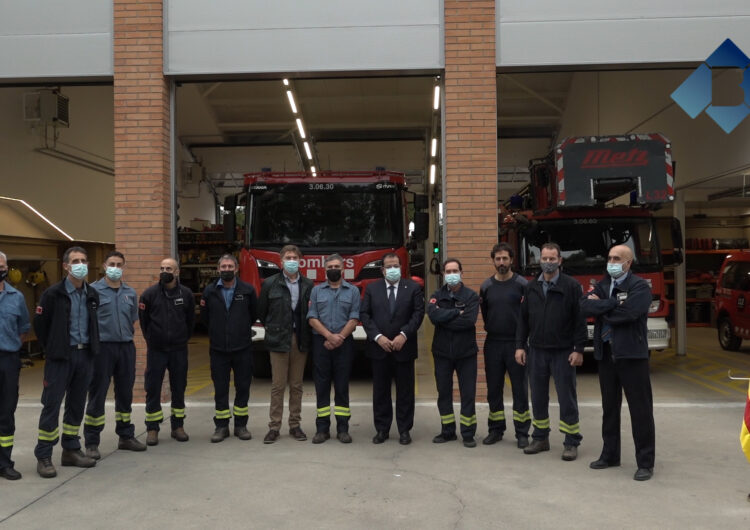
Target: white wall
{"points": [[249, 36], [78, 200], [49, 38], [598, 32]]}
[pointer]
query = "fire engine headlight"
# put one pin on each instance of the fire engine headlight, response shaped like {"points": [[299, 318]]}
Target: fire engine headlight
{"points": [[654, 306], [263, 264], [374, 264]]}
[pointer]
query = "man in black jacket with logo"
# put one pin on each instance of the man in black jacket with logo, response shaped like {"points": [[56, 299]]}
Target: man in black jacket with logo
{"points": [[282, 307], [228, 308], [166, 312], [391, 313], [453, 309], [553, 328], [66, 325], [620, 303]]}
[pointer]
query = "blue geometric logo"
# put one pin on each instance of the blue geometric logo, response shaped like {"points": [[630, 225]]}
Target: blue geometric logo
{"points": [[694, 94]]}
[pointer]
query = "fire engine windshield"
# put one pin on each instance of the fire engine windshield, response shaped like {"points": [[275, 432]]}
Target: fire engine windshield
{"points": [[585, 243], [326, 215]]}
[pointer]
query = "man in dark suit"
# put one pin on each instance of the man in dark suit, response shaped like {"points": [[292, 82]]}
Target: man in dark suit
{"points": [[391, 313], [620, 304]]}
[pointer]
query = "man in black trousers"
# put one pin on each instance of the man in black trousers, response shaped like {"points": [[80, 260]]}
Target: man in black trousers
{"points": [[620, 303], [391, 313]]}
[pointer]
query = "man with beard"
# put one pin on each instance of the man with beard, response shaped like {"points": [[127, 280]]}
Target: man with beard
{"points": [[500, 302]]}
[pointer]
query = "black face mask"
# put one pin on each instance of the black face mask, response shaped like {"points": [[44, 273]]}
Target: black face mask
{"points": [[333, 275], [3, 275], [166, 277], [226, 276]]}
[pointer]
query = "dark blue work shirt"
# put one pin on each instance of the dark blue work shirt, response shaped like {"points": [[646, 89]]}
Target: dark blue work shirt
{"points": [[118, 310], [14, 318], [79, 315]]}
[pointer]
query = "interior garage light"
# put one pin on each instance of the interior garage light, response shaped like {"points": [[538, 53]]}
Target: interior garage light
{"points": [[433, 151], [39, 214], [301, 129], [432, 173], [436, 98], [291, 101], [286, 82], [307, 151], [313, 171]]}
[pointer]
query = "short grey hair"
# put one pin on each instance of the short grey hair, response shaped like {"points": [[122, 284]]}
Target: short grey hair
{"points": [[225, 257], [4, 257], [333, 257]]}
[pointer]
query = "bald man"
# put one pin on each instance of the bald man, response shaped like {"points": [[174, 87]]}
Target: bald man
{"points": [[620, 303], [166, 312]]}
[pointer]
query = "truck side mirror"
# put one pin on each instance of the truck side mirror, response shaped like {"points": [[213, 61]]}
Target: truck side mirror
{"points": [[230, 218], [677, 241], [421, 226]]}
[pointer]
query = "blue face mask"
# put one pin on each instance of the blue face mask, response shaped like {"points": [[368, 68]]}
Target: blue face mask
{"points": [[114, 273], [453, 279], [79, 271], [291, 266], [615, 270], [393, 274]]}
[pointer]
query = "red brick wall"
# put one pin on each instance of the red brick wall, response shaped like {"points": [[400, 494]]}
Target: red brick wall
{"points": [[142, 149], [471, 144]]}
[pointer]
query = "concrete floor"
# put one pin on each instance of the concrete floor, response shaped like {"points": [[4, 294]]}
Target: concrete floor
{"points": [[701, 480]]}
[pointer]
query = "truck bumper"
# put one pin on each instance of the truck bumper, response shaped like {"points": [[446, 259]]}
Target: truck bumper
{"points": [[658, 335]]}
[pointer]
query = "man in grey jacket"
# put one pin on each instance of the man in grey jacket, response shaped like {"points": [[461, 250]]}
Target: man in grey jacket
{"points": [[282, 308]]}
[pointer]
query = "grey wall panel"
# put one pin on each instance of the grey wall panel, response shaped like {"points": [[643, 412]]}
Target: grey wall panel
{"points": [[583, 32], [251, 36], [48, 38]]}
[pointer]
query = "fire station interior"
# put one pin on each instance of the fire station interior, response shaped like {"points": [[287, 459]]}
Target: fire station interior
{"points": [[225, 128]]}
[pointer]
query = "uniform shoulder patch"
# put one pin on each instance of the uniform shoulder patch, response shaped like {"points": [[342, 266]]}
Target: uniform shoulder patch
{"points": [[433, 300], [39, 310], [203, 303], [141, 306]]}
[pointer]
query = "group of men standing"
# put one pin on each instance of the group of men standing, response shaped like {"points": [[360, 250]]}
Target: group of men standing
{"points": [[535, 326]]}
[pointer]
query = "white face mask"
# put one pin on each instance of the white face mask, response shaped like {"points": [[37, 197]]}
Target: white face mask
{"points": [[114, 273]]}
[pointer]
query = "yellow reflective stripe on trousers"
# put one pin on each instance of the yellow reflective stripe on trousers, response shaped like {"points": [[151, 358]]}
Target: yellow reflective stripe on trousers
{"points": [[49, 436], [123, 417], [178, 413], [70, 430], [497, 416], [466, 420], [521, 416], [569, 429], [223, 414], [541, 424], [94, 421], [324, 411], [342, 411], [240, 411], [6, 441], [447, 418], [155, 416]]}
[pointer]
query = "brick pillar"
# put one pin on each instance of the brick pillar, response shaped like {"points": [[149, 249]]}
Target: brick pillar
{"points": [[143, 225], [471, 145]]}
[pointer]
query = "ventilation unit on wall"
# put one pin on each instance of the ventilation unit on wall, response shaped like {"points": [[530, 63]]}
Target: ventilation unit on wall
{"points": [[46, 106]]}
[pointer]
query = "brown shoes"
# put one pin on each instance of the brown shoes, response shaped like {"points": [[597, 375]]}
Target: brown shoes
{"points": [[180, 435], [76, 458], [271, 437], [92, 451], [298, 434], [570, 453], [45, 468], [130, 444], [537, 446], [242, 433], [152, 437], [219, 434]]}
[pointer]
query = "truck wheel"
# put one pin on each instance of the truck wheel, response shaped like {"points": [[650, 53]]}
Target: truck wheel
{"points": [[727, 339]]}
